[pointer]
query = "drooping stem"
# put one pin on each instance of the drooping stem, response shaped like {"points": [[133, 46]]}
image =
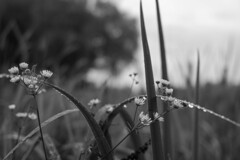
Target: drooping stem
{"points": [[40, 128]]}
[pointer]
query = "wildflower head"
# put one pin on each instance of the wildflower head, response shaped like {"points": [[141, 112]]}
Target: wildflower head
{"points": [[145, 119], [93, 102], [109, 108], [29, 78], [12, 106], [158, 117], [140, 101], [13, 70], [32, 116], [23, 65], [21, 114], [15, 79], [46, 73], [168, 91]]}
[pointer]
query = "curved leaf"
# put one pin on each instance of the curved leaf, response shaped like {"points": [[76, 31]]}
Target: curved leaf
{"points": [[102, 143]]}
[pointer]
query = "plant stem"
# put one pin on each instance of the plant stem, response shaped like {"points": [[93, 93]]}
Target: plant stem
{"points": [[135, 113], [131, 131], [157, 148], [167, 123], [196, 120], [40, 128]]}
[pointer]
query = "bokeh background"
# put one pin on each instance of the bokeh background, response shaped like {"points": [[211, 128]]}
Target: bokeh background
{"points": [[93, 45]]}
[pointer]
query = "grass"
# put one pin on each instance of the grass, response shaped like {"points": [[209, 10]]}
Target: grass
{"points": [[195, 116], [117, 130], [152, 100]]}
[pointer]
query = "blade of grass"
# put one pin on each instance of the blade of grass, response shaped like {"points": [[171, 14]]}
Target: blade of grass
{"points": [[167, 123], [36, 130], [102, 143], [195, 116], [152, 101]]}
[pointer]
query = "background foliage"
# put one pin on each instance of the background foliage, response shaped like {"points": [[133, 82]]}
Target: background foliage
{"points": [[68, 36]]}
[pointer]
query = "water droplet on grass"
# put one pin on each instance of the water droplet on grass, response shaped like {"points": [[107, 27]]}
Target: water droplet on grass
{"points": [[190, 106]]}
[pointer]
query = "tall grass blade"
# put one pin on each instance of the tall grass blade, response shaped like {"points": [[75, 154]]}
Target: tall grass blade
{"points": [[167, 122], [102, 143], [152, 101], [195, 116]]}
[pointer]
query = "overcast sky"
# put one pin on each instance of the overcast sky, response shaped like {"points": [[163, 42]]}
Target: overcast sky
{"points": [[212, 26]]}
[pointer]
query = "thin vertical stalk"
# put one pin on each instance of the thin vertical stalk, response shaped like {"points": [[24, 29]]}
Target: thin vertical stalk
{"points": [[196, 122], [167, 122], [152, 101], [40, 128]]}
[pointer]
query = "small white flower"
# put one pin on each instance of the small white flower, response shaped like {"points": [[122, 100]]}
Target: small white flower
{"points": [[12, 106], [139, 101], [169, 91], [13, 70], [30, 86], [158, 117], [46, 73], [23, 65], [145, 119], [161, 119], [32, 116], [15, 79], [21, 114], [93, 102], [109, 108], [26, 80], [164, 82]]}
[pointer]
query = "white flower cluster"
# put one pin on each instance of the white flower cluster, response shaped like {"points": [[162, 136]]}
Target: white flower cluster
{"points": [[109, 108], [146, 120], [139, 101], [164, 87], [93, 102], [29, 78]]}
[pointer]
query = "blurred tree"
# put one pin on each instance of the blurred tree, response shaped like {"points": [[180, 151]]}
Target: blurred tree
{"points": [[71, 36]]}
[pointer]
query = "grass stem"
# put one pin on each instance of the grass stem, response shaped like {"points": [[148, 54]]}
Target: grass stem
{"points": [[196, 119], [40, 128]]}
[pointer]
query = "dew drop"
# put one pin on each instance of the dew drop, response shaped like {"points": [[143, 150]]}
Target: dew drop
{"points": [[204, 110], [190, 106]]}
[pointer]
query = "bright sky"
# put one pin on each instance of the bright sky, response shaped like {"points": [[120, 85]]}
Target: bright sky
{"points": [[212, 26]]}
